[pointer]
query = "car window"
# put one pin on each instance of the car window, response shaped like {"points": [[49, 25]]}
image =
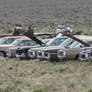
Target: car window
{"points": [[15, 43], [2, 41], [60, 40], [90, 42], [55, 41], [10, 40], [67, 42], [30, 42], [74, 44], [79, 45], [6, 41], [27, 43]]}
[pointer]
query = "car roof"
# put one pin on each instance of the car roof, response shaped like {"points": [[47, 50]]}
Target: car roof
{"points": [[18, 37], [12, 37], [24, 38]]}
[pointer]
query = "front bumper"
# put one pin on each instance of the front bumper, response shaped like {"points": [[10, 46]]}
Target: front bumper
{"points": [[47, 56], [11, 53]]}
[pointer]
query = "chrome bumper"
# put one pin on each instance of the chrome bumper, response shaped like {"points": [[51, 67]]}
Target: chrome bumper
{"points": [[11, 53]]}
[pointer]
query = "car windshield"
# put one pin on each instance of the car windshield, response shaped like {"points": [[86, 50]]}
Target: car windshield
{"points": [[6, 41], [67, 42], [27, 43], [24, 43], [15, 43], [89, 42], [2, 41], [79, 45], [55, 41], [74, 44]]}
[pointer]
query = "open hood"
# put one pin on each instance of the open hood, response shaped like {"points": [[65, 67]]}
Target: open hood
{"points": [[30, 35], [75, 38]]}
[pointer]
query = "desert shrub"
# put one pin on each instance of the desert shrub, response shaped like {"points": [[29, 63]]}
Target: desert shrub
{"points": [[39, 90]]}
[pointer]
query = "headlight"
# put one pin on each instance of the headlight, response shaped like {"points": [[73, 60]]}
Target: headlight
{"points": [[31, 53], [61, 54], [85, 55], [46, 54], [86, 52], [40, 54]]}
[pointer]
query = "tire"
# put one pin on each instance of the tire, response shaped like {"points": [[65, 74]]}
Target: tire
{"points": [[2, 54], [77, 58]]}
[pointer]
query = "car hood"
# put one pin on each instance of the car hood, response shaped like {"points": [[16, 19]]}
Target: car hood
{"points": [[48, 48], [5, 47], [70, 49]]}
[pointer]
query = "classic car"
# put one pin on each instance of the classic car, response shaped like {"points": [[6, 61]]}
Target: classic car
{"points": [[41, 38], [73, 51], [22, 41], [85, 54], [51, 53], [8, 39], [53, 42], [38, 52], [22, 51]]}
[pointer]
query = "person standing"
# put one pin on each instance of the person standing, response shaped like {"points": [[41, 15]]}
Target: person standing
{"points": [[30, 30], [17, 30], [64, 29]]}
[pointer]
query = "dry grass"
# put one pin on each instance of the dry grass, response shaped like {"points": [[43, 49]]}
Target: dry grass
{"points": [[39, 76]]}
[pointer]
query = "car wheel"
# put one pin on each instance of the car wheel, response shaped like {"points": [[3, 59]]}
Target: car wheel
{"points": [[2, 54], [77, 58]]}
